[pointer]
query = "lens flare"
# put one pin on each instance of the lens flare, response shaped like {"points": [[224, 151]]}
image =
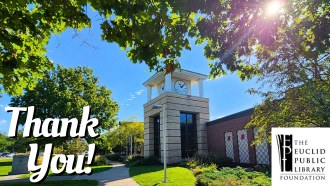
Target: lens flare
{"points": [[273, 7]]}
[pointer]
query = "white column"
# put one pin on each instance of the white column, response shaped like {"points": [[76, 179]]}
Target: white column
{"points": [[149, 93], [168, 83], [200, 88]]}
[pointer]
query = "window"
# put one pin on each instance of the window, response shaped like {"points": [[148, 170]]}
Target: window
{"points": [[157, 136], [188, 135]]}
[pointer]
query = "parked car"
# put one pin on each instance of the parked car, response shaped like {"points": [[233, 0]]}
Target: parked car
{"points": [[4, 154], [10, 155], [41, 154]]}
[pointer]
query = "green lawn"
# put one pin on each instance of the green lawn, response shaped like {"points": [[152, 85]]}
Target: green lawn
{"points": [[56, 183], [96, 169], [5, 167], [154, 175]]}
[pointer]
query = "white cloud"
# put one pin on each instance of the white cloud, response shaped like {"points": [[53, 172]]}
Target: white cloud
{"points": [[139, 93], [129, 99], [127, 104], [1, 105], [3, 121], [141, 90]]}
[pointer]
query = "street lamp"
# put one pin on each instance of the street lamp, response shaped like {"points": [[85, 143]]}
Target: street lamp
{"points": [[164, 137]]}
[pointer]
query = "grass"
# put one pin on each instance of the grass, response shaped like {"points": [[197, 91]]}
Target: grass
{"points": [[154, 175], [96, 169], [5, 167], [56, 183]]}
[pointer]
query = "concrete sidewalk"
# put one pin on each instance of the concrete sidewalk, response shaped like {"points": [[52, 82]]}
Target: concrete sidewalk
{"points": [[118, 175]]}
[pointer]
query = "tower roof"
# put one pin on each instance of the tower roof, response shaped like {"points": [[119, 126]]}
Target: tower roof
{"points": [[157, 78]]}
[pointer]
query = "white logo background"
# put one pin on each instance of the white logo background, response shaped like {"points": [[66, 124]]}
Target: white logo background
{"points": [[316, 138]]}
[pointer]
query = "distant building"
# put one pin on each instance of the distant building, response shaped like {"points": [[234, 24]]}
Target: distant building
{"points": [[188, 126]]}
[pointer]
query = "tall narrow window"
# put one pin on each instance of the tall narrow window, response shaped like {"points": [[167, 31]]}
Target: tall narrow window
{"points": [[157, 136], [188, 135]]}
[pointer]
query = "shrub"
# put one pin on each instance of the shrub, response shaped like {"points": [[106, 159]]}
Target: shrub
{"points": [[108, 156], [40, 160], [183, 164], [209, 159], [193, 164], [138, 160], [197, 171], [232, 176], [153, 160], [100, 160], [264, 169], [204, 168], [113, 157]]}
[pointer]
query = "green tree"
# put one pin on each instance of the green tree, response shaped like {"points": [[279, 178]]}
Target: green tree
{"points": [[289, 48], [19, 144], [26, 26], [74, 146], [4, 141], [63, 94], [121, 134]]}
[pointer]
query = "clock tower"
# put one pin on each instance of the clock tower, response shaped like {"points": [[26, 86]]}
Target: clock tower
{"points": [[185, 116]]}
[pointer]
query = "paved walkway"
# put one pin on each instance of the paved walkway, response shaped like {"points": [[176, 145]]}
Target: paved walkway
{"points": [[118, 175]]}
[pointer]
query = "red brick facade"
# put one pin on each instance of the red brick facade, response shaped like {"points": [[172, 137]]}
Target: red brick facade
{"points": [[216, 135]]}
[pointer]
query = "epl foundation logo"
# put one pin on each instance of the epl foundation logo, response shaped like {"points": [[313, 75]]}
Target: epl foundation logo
{"points": [[300, 156]]}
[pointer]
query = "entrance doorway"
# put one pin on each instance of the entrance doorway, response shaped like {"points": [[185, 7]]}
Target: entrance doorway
{"points": [[188, 135]]}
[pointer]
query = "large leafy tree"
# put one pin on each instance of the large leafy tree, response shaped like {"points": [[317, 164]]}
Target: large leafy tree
{"points": [[121, 134], [288, 50], [63, 93], [19, 144], [75, 146], [4, 141], [26, 26]]}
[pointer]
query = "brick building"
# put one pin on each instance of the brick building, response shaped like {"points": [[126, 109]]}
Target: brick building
{"points": [[188, 126], [227, 137]]}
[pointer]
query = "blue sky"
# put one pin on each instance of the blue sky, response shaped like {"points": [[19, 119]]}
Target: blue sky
{"points": [[227, 94]]}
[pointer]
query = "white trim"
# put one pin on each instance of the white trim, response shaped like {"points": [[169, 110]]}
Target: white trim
{"points": [[200, 88], [168, 82], [181, 71], [196, 98], [149, 93]]}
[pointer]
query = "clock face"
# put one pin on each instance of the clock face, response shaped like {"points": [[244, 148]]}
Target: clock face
{"points": [[181, 87], [162, 88]]}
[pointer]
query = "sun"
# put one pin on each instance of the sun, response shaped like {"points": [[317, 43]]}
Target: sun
{"points": [[273, 7]]}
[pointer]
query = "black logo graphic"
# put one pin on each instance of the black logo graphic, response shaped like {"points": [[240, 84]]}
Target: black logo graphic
{"points": [[284, 144]]}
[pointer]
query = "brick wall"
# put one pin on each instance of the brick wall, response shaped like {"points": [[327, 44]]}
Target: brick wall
{"points": [[216, 135]]}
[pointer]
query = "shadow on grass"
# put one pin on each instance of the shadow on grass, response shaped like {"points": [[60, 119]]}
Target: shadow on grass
{"points": [[96, 169], [145, 170], [5, 163], [154, 175]]}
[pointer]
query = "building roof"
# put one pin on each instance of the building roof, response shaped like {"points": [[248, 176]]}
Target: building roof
{"points": [[159, 77], [231, 117]]}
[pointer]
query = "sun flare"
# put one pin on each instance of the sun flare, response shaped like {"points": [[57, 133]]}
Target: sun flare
{"points": [[273, 7]]}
